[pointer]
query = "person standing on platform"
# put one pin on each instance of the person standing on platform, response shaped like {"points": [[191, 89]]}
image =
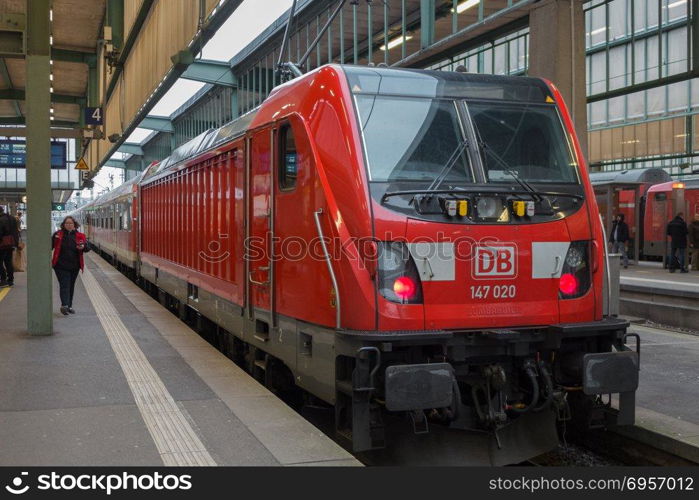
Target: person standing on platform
{"points": [[619, 238], [9, 239], [694, 242], [677, 231], [69, 245]]}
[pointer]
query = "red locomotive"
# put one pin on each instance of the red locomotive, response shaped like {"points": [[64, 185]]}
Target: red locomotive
{"points": [[394, 242]]}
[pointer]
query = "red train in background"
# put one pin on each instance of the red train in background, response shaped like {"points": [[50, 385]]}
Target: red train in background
{"points": [[395, 242], [663, 202], [649, 199]]}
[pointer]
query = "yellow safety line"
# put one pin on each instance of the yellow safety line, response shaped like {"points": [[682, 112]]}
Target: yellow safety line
{"points": [[3, 293]]}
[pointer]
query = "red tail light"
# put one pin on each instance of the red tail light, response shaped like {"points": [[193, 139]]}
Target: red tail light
{"points": [[404, 288], [576, 277], [568, 284], [398, 279]]}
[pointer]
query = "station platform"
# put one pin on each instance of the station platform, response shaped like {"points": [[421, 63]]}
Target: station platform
{"points": [[652, 276], [124, 383], [649, 291]]}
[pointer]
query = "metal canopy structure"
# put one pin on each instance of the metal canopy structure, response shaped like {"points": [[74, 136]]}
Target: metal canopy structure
{"points": [[76, 28], [73, 30], [412, 33], [160, 42]]}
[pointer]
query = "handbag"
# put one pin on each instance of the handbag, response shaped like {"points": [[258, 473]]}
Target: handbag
{"points": [[19, 260]]}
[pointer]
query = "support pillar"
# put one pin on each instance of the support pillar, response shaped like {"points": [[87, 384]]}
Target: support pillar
{"points": [[39, 195], [557, 53], [115, 19], [234, 104], [93, 95], [427, 23]]}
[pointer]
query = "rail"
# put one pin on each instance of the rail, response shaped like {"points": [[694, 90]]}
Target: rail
{"points": [[338, 308]]}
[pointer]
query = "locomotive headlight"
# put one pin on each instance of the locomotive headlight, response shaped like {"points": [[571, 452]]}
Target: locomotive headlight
{"points": [[575, 257], [489, 208]]}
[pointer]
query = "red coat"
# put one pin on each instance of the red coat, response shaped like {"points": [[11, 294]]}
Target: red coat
{"points": [[58, 241]]}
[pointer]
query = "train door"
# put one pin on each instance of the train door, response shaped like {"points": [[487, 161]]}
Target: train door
{"points": [[260, 224]]}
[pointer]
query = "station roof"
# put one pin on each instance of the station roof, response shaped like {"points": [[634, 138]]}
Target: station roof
{"points": [[634, 176], [76, 29]]}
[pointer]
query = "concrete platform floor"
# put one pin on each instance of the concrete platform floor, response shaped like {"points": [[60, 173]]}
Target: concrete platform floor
{"points": [[135, 386], [666, 401], [669, 377], [653, 275]]}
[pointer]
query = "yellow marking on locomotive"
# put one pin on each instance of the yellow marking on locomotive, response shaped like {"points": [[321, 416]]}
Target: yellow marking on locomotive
{"points": [[519, 208], [462, 208]]}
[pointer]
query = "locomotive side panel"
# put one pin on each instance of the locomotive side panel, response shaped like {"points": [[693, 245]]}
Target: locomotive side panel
{"points": [[327, 137]]}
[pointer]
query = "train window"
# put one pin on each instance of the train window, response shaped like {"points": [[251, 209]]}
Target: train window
{"points": [[527, 141], [660, 196], [412, 139], [288, 164], [127, 217]]}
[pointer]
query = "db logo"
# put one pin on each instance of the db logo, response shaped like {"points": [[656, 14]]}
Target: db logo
{"points": [[495, 261]]}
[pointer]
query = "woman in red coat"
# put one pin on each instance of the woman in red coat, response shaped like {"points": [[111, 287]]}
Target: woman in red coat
{"points": [[69, 245]]}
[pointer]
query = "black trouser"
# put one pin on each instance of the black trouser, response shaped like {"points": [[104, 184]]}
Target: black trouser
{"points": [[7, 272], [66, 283], [677, 257]]}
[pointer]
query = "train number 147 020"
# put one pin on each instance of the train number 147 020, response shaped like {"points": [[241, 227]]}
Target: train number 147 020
{"points": [[493, 291]]}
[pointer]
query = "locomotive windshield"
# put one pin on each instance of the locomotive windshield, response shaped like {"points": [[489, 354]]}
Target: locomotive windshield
{"points": [[412, 139], [528, 141], [431, 129]]}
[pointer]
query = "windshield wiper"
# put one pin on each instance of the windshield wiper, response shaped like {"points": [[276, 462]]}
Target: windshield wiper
{"points": [[458, 151], [524, 184], [388, 194]]}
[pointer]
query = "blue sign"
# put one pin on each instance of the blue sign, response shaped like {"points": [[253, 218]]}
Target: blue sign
{"points": [[93, 116], [13, 154]]}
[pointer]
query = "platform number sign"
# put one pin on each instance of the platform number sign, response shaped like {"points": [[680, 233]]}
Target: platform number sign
{"points": [[93, 116]]}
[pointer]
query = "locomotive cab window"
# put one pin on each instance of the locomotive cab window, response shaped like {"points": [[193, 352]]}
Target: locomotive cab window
{"points": [[288, 158]]}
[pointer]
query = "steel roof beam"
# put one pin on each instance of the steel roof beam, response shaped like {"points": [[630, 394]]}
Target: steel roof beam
{"points": [[157, 123], [6, 76], [115, 163], [20, 120], [56, 133], [19, 95], [73, 56], [215, 72], [131, 149]]}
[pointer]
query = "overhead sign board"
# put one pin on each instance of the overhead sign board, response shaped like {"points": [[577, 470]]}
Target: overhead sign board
{"points": [[13, 154], [93, 116]]}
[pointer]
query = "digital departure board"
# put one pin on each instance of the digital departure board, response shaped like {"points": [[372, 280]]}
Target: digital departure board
{"points": [[13, 154]]}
